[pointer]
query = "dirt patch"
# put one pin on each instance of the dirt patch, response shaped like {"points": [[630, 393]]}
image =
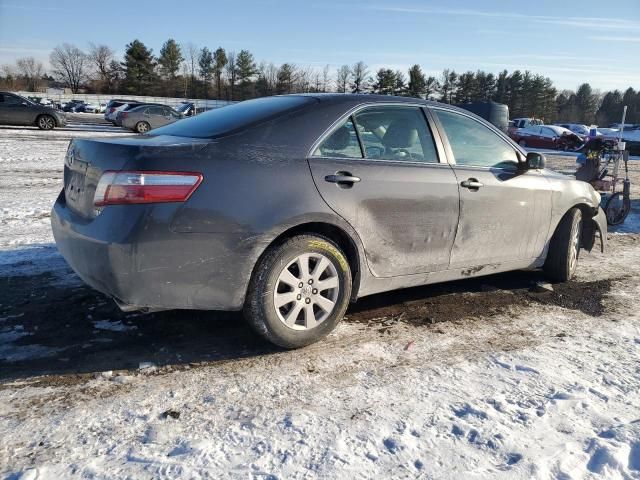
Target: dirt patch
{"points": [[482, 298]]}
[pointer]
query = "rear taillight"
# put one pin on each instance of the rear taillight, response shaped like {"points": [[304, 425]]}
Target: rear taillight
{"points": [[118, 188]]}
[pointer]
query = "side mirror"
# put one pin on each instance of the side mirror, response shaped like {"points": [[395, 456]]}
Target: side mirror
{"points": [[535, 161]]}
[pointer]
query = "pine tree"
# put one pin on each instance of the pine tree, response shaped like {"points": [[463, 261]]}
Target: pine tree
{"points": [[285, 79], [587, 103], [206, 68], [169, 60], [247, 69], [385, 82], [220, 61], [139, 69], [417, 82], [448, 85]]}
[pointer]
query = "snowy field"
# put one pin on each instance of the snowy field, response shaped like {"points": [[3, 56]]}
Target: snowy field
{"points": [[484, 378]]}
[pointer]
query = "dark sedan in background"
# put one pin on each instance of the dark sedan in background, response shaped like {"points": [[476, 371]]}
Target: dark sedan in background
{"points": [[17, 110], [290, 207]]}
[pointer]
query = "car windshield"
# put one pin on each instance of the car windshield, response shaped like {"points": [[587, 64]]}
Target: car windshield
{"points": [[220, 121]]}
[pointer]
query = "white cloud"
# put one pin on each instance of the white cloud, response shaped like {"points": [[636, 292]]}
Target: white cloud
{"points": [[603, 23], [606, 38]]}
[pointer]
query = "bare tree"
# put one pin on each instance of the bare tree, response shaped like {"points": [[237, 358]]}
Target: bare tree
{"points": [[192, 54], [101, 56], [9, 80], [69, 63], [232, 73], [32, 72], [359, 79], [325, 79], [343, 75]]}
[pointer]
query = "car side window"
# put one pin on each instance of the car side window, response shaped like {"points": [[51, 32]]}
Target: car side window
{"points": [[155, 111], [548, 132], [11, 100], [475, 144], [343, 142], [396, 133]]}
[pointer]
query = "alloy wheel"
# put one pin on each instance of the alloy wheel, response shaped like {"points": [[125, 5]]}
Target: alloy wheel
{"points": [[306, 291]]}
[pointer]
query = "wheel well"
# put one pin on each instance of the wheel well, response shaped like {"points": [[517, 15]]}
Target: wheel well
{"points": [[332, 232]]}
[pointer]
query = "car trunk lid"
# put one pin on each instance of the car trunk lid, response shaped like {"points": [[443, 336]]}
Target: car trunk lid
{"points": [[87, 159]]}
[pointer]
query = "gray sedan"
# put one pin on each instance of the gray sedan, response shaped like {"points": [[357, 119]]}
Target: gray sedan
{"points": [[17, 110], [290, 207], [147, 117]]}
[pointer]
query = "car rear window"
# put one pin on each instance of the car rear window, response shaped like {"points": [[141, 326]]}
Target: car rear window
{"points": [[223, 120]]}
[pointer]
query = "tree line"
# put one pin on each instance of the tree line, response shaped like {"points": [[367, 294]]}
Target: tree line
{"points": [[186, 70]]}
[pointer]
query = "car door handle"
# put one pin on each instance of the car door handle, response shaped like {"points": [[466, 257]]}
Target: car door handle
{"points": [[471, 184], [342, 178]]}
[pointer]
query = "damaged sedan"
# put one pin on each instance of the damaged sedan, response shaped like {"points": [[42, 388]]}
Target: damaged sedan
{"points": [[291, 207]]}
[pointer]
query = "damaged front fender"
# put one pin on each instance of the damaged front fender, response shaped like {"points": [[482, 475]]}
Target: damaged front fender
{"points": [[597, 226]]}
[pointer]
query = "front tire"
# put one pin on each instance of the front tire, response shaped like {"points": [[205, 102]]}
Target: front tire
{"points": [[45, 122], [564, 248], [299, 291]]}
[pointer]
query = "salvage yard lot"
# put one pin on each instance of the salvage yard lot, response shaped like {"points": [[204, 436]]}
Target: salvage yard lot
{"points": [[483, 378]]}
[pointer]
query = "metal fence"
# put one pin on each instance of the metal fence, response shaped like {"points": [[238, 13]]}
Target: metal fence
{"points": [[102, 98]]}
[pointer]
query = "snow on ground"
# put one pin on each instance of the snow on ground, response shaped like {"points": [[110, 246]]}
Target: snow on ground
{"points": [[475, 379]]}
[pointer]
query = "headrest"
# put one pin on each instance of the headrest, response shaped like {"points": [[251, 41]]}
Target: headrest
{"points": [[401, 133]]}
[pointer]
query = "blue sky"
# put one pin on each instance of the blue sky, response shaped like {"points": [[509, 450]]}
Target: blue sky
{"points": [[570, 41]]}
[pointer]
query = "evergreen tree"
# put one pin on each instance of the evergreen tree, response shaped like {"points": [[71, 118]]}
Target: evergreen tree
{"points": [[205, 68], [448, 85], [587, 103], [502, 88], [139, 69], [400, 87], [247, 69], [385, 82], [431, 87], [220, 61], [285, 79], [169, 60], [417, 82]]}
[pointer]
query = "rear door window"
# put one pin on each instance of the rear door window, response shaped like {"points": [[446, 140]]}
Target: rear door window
{"points": [[475, 144], [396, 133]]}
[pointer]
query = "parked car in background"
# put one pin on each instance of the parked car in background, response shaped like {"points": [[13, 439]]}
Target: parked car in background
{"points": [[113, 107], [577, 128], [550, 137], [101, 107], [17, 110], [128, 107], [88, 108], [518, 123], [290, 207], [143, 118], [74, 106]]}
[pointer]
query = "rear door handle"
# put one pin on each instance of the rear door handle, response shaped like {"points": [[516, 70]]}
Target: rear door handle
{"points": [[344, 178], [471, 184]]}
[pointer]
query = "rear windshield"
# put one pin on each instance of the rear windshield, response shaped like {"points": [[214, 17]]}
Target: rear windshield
{"points": [[220, 121]]}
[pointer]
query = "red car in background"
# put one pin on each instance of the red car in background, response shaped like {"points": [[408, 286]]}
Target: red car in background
{"points": [[549, 137]]}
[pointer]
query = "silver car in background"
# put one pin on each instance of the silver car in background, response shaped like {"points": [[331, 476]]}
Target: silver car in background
{"points": [[147, 117]]}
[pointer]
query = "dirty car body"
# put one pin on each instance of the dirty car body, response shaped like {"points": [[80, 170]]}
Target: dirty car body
{"points": [[450, 198]]}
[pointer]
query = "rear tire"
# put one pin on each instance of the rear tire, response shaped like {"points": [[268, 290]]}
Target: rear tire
{"points": [[142, 127], [290, 315], [45, 122], [564, 248]]}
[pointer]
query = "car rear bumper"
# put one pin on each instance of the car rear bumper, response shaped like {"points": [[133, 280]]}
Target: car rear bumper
{"points": [[129, 253]]}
